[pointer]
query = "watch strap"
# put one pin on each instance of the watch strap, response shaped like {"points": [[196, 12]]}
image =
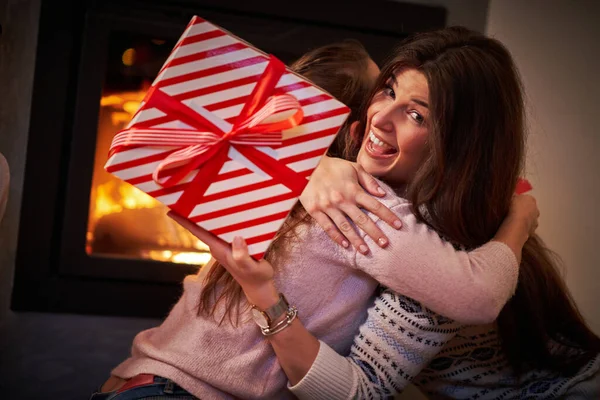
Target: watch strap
{"points": [[278, 309]]}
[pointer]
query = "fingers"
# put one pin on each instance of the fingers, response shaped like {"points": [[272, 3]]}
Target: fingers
{"points": [[524, 206], [342, 224], [368, 182], [218, 248], [239, 250], [376, 207], [184, 222], [239, 258], [365, 223], [330, 228], [536, 215], [252, 275], [335, 209], [235, 258]]}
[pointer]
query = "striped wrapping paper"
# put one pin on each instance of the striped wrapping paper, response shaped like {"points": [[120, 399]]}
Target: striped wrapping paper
{"points": [[214, 73]]}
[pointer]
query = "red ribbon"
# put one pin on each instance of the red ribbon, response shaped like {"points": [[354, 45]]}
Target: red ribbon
{"points": [[206, 141]]}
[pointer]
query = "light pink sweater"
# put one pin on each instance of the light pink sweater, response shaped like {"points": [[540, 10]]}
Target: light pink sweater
{"points": [[332, 288]]}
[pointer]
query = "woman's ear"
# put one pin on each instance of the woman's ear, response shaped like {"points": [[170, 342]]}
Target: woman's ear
{"points": [[354, 131]]}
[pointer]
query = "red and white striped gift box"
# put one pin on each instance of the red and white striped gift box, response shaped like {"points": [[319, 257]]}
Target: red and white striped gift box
{"points": [[216, 75]]}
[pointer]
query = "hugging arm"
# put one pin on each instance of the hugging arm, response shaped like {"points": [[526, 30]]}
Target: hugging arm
{"points": [[470, 287], [340, 191]]}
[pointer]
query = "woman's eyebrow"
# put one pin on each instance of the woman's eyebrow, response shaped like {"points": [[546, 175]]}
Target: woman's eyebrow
{"points": [[421, 102]]}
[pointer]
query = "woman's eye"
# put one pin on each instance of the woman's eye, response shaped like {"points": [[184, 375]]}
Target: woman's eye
{"points": [[389, 91], [417, 117]]}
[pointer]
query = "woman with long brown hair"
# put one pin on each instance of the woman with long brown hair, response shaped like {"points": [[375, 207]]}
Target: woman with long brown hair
{"points": [[210, 347], [463, 89]]}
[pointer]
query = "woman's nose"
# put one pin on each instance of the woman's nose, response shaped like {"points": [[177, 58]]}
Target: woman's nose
{"points": [[383, 119]]}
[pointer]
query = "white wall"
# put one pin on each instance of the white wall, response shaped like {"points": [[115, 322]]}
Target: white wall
{"points": [[555, 45]]}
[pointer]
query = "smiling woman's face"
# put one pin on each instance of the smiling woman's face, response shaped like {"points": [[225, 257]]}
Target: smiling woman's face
{"points": [[397, 128]]}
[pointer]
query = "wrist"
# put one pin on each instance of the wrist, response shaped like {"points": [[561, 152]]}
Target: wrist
{"points": [[513, 228], [263, 296]]}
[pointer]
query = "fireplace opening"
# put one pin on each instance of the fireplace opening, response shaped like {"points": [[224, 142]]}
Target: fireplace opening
{"points": [[123, 221]]}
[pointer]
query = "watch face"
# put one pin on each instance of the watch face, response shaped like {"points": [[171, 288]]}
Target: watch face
{"points": [[259, 318]]}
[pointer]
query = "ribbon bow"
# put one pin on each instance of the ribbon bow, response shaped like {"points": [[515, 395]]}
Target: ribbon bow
{"points": [[254, 126]]}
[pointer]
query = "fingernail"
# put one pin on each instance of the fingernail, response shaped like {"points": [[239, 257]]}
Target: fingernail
{"points": [[238, 242], [398, 224], [380, 190], [382, 242], [345, 243], [363, 249]]}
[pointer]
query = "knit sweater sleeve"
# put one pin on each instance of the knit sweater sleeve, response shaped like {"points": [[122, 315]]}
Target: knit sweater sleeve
{"points": [[399, 338], [469, 287]]}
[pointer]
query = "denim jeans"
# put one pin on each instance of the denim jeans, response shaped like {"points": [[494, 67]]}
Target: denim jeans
{"points": [[162, 388]]}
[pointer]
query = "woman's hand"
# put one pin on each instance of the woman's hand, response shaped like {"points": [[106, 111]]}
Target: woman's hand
{"points": [[333, 196], [520, 223], [255, 277], [524, 208]]}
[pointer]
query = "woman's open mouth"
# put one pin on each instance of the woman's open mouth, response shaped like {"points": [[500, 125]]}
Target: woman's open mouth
{"points": [[377, 148]]}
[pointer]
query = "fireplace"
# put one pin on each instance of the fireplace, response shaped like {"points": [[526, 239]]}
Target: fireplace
{"points": [[89, 243]]}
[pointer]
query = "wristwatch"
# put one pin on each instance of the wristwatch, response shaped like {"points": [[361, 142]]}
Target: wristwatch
{"points": [[265, 318]]}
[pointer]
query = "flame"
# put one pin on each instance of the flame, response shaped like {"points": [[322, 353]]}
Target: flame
{"points": [[135, 198], [185, 257], [104, 204]]}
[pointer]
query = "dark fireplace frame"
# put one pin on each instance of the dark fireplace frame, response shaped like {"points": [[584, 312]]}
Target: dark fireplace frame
{"points": [[53, 272]]}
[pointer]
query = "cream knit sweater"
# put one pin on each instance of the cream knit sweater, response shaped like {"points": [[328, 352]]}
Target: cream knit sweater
{"points": [[401, 341]]}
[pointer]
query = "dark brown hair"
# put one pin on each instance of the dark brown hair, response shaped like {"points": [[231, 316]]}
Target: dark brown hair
{"points": [[341, 70], [464, 186]]}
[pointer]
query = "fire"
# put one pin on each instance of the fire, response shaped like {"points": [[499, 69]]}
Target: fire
{"points": [[114, 196], [193, 258], [123, 220]]}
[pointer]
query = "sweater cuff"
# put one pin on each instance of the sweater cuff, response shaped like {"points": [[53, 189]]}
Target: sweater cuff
{"points": [[499, 249], [330, 377]]}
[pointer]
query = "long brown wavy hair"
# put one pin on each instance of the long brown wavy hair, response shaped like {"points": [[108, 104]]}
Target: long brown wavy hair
{"points": [[464, 186], [341, 69]]}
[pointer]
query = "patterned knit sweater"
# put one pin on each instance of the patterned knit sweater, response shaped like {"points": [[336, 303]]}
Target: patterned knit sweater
{"points": [[402, 341], [332, 288]]}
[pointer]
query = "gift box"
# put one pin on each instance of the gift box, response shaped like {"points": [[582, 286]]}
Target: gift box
{"points": [[226, 136]]}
